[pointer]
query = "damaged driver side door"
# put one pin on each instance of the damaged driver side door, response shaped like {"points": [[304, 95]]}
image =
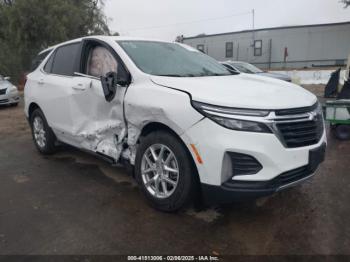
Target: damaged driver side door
{"points": [[97, 105]]}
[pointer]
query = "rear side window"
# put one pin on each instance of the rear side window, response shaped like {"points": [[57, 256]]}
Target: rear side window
{"points": [[64, 62], [38, 59], [48, 66]]}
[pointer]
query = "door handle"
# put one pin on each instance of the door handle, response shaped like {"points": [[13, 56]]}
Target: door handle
{"points": [[79, 87], [41, 81]]}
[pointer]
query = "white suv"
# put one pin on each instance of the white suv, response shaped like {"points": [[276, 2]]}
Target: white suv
{"points": [[184, 121]]}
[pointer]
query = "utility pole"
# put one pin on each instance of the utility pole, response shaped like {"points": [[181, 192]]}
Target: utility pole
{"points": [[270, 53], [253, 28]]}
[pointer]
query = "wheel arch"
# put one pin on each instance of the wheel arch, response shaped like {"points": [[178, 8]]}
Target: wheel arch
{"points": [[157, 126], [32, 107]]}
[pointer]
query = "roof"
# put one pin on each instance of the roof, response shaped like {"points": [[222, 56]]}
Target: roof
{"points": [[271, 28], [102, 37]]}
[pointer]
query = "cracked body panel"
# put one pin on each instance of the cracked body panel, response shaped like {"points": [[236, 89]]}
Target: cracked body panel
{"points": [[100, 126], [142, 109]]}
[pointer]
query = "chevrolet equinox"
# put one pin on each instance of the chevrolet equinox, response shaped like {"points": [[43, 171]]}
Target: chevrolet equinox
{"points": [[187, 125]]}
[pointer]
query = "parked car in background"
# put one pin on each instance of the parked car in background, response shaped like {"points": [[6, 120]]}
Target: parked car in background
{"points": [[247, 68], [185, 122], [8, 92]]}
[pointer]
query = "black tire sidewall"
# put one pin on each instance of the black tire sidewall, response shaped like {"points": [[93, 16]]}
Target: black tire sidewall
{"points": [[184, 190]]}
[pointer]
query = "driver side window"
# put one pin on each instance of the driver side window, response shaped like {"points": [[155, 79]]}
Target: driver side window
{"points": [[100, 62]]}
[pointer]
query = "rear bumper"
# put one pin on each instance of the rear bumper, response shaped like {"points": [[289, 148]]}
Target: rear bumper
{"points": [[234, 190]]}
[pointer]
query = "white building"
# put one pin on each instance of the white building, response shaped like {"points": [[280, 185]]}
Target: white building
{"points": [[282, 47]]}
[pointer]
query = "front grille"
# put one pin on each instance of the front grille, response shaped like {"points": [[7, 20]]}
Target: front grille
{"points": [[244, 164], [4, 101], [303, 133], [296, 111], [3, 91]]}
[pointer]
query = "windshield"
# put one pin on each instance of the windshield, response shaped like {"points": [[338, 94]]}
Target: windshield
{"points": [[247, 68], [171, 59]]}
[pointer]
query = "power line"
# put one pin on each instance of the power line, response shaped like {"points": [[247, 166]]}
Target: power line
{"points": [[190, 22]]}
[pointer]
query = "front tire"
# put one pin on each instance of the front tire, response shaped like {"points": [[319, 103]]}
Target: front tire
{"points": [[164, 171], [43, 136]]}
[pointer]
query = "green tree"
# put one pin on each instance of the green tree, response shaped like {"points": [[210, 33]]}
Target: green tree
{"points": [[28, 26]]}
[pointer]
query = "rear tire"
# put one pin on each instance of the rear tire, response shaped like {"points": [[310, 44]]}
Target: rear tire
{"points": [[43, 136], [342, 132], [168, 182]]}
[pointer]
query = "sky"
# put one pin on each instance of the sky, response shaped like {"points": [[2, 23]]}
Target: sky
{"points": [[165, 19]]}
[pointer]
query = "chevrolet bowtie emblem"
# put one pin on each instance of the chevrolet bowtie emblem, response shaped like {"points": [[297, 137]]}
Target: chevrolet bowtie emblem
{"points": [[312, 115]]}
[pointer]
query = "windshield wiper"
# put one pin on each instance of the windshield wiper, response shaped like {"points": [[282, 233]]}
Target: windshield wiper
{"points": [[172, 75], [215, 74], [198, 75], [176, 75]]}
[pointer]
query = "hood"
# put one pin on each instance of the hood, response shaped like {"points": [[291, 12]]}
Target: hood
{"points": [[5, 85], [241, 91], [275, 75]]}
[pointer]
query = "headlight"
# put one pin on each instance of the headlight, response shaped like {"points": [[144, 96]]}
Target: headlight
{"points": [[241, 125], [215, 113], [206, 108], [13, 89]]}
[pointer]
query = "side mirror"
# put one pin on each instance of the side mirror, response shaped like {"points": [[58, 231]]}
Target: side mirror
{"points": [[123, 77], [112, 80], [233, 70], [7, 78], [109, 85]]}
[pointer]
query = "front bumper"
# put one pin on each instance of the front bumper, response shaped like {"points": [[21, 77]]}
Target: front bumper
{"points": [[9, 99], [214, 143], [234, 190]]}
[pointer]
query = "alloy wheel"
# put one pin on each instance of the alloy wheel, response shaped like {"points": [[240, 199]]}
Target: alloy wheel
{"points": [[39, 132], [160, 171]]}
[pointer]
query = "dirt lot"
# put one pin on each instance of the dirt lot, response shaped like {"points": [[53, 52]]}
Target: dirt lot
{"points": [[318, 90], [72, 203]]}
